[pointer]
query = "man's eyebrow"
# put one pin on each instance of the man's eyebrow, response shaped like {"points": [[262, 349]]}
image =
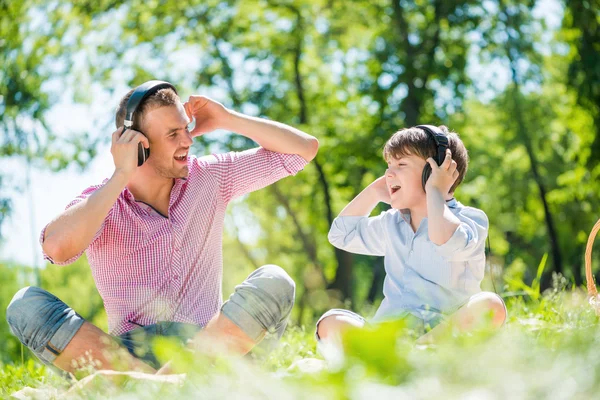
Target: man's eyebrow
{"points": [[175, 129]]}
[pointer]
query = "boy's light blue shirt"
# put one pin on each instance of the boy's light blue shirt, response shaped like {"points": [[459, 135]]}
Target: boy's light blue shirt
{"points": [[422, 278]]}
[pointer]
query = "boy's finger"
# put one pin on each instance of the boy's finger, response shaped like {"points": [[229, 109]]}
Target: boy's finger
{"points": [[432, 162], [453, 166], [447, 160]]}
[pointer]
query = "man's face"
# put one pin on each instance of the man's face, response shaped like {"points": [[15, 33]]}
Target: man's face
{"points": [[170, 140], [403, 179]]}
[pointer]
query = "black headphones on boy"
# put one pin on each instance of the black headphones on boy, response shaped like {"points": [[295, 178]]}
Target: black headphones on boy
{"points": [[135, 100], [441, 143]]}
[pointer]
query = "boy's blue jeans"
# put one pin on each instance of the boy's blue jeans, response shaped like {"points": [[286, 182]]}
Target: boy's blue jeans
{"points": [[46, 325]]}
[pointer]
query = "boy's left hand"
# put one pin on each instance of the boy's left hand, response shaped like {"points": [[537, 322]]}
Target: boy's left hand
{"points": [[442, 176]]}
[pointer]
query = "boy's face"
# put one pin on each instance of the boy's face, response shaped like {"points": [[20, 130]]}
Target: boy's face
{"points": [[403, 179]]}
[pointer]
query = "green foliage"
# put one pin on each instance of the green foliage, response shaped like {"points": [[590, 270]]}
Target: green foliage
{"points": [[549, 348]]}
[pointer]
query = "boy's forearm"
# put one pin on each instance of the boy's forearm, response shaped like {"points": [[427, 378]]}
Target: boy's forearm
{"points": [[361, 205], [273, 135], [441, 222]]}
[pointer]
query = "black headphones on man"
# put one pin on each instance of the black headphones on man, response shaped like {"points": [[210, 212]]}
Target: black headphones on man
{"points": [[441, 143], [135, 100]]}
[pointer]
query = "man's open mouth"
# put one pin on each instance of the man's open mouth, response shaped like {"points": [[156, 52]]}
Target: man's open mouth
{"points": [[181, 157]]}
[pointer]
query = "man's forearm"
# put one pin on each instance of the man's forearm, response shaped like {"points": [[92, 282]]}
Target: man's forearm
{"points": [[273, 135], [441, 222], [72, 231]]}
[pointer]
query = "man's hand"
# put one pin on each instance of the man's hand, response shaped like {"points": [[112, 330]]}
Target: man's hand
{"points": [[380, 190], [209, 114], [443, 176], [124, 149]]}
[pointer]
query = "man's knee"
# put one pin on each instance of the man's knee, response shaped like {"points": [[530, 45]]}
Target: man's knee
{"points": [[35, 315], [23, 311], [262, 302], [273, 280]]}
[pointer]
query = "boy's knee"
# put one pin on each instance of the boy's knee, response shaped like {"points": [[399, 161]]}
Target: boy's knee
{"points": [[332, 325], [493, 304]]}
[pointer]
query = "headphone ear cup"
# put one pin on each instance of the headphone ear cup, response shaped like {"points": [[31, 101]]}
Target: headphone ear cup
{"points": [[426, 174], [143, 154]]}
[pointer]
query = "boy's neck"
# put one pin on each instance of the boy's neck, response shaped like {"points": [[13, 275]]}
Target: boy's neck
{"points": [[417, 214]]}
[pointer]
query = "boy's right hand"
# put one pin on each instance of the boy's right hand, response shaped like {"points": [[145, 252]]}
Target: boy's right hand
{"points": [[380, 189], [124, 150]]}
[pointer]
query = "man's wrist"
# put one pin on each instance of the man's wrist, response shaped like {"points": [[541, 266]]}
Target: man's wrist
{"points": [[230, 120], [120, 177]]}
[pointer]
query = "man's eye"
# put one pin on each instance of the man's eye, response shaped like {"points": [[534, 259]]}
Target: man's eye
{"points": [[173, 134]]}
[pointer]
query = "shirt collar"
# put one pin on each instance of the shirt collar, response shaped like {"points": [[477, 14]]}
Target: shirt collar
{"points": [[405, 213]]}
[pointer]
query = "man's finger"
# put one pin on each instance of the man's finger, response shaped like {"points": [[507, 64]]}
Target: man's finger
{"points": [[116, 134], [188, 110], [140, 138], [128, 135]]}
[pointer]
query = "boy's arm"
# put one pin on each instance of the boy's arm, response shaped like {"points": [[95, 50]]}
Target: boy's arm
{"points": [[458, 239], [441, 223], [354, 231], [271, 135]]}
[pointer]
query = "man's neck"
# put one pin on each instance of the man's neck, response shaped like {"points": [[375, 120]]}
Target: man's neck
{"points": [[150, 188]]}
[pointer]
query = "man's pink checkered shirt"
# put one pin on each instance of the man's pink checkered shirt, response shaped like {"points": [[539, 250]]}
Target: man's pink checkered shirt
{"points": [[150, 268]]}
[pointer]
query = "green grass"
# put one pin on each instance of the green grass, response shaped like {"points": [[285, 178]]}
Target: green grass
{"points": [[550, 348]]}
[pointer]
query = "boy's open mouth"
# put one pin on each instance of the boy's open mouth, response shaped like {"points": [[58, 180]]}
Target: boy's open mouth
{"points": [[395, 188]]}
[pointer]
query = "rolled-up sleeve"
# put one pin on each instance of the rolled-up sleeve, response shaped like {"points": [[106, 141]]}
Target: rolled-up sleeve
{"points": [[468, 240], [360, 235], [239, 173], [84, 195]]}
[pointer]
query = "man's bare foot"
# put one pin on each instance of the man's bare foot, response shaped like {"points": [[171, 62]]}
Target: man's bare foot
{"points": [[165, 369]]}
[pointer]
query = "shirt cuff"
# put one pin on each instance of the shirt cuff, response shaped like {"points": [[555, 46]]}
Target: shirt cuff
{"points": [[293, 163], [457, 241]]}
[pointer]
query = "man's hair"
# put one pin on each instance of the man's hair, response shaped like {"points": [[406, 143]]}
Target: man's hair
{"points": [[417, 142], [161, 98]]}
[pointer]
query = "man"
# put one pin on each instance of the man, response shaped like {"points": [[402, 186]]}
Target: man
{"points": [[153, 238]]}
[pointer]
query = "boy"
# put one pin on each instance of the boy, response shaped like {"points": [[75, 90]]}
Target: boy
{"points": [[434, 247]]}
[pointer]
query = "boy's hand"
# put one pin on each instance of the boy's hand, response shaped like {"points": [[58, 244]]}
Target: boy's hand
{"points": [[209, 114], [380, 189], [443, 176]]}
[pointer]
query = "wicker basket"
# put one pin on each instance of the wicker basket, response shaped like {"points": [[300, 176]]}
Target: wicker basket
{"points": [[589, 277]]}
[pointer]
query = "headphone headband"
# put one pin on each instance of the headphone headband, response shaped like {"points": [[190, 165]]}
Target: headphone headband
{"points": [[140, 94], [440, 138]]}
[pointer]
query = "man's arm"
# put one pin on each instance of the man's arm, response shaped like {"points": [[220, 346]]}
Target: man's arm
{"points": [[271, 135], [73, 231]]}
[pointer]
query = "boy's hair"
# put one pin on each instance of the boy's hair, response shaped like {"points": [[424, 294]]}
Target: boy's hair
{"points": [[417, 142], [162, 98]]}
